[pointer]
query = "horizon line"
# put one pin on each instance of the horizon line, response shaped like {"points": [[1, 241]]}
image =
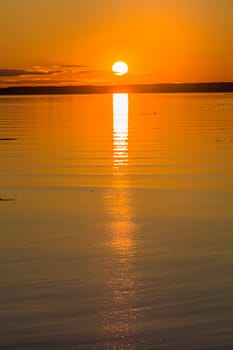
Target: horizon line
{"points": [[127, 88]]}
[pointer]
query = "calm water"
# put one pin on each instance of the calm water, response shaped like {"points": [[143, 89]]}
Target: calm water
{"points": [[119, 234]]}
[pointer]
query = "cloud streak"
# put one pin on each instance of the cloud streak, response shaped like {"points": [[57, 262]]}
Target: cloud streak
{"points": [[67, 74], [73, 66], [78, 69], [22, 72]]}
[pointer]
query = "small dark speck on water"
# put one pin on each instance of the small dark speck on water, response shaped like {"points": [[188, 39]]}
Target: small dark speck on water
{"points": [[7, 199], [8, 139]]}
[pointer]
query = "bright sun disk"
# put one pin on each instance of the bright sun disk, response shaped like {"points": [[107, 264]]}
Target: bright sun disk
{"points": [[120, 68]]}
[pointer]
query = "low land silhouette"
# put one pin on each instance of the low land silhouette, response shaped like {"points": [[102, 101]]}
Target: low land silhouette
{"points": [[142, 88]]}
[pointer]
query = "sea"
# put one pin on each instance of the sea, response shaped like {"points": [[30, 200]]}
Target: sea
{"points": [[116, 222]]}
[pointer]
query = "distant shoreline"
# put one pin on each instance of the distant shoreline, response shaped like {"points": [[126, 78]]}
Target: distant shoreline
{"points": [[109, 89]]}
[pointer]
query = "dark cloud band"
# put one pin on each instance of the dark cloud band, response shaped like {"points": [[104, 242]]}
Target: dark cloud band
{"points": [[20, 72]]}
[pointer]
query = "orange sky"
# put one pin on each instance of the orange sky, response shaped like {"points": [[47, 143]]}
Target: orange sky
{"points": [[73, 42]]}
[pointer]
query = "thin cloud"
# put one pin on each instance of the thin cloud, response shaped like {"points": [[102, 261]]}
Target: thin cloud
{"points": [[72, 66], [51, 75], [22, 72], [38, 82], [86, 72]]}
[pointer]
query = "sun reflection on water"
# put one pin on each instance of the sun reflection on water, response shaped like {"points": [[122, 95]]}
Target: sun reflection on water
{"points": [[121, 240], [120, 132], [121, 314]]}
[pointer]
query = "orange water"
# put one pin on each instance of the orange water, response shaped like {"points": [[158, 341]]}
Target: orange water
{"points": [[119, 231]]}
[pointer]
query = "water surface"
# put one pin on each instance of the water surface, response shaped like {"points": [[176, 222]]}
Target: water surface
{"points": [[119, 230]]}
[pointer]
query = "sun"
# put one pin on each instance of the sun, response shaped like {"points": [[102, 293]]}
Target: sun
{"points": [[119, 68]]}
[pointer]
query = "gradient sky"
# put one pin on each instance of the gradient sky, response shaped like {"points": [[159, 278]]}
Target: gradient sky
{"points": [[77, 41]]}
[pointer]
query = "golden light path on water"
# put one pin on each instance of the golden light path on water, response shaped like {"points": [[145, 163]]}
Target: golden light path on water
{"points": [[121, 316], [122, 241], [120, 132]]}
